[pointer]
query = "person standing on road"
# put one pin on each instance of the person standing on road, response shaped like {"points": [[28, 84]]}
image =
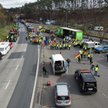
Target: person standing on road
{"points": [[26, 38], [107, 56], [81, 53], [96, 69], [91, 59], [79, 58], [0, 56], [68, 62], [44, 69], [92, 67]]}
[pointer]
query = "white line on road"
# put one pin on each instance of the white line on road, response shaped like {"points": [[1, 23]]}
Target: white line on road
{"points": [[104, 95], [7, 85], [35, 82], [16, 67]]}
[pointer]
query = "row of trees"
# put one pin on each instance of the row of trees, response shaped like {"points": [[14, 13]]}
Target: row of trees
{"points": [[60, 10], [2, 16], [68, 4], [65, 12], [5, 16]]}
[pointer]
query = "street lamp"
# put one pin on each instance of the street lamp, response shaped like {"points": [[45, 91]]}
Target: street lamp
{"points": [[66, 18]]}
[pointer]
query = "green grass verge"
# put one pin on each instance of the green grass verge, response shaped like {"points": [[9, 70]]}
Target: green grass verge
{"points": [[4, 32]]}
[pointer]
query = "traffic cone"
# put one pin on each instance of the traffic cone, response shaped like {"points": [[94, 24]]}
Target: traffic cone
{"points": [[49, 83]]}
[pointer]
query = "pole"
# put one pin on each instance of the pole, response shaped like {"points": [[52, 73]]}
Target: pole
{"points": [[66, 19]]}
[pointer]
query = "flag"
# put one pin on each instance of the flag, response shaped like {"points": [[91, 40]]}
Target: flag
{"points": [[77, 55]]}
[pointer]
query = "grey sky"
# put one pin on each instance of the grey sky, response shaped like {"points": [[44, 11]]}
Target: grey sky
{"points": [[14, 3]]}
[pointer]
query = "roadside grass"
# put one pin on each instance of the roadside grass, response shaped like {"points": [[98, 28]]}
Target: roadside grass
{"points": [[4, 32]]}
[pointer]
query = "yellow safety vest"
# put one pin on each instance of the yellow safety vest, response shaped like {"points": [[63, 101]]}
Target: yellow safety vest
{"points": [[96, 69]]}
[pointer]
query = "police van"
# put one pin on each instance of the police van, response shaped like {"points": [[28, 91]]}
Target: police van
{"points": [[86, 81], [4, 47], [58, 64]]}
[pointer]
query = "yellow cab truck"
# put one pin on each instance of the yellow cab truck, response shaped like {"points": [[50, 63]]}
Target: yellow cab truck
{"points": [[41, 28]]}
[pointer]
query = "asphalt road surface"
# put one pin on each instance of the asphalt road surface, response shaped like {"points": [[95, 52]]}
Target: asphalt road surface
{"points": [[45, 94], [17, 73], [22, 94]]}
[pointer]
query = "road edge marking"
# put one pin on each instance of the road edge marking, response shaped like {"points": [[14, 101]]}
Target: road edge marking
{"points": [[7, 85], [17, 67]]}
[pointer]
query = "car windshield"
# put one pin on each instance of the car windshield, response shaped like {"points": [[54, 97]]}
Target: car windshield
{"points": [[1, 49], [62, 97], [87, 75]]}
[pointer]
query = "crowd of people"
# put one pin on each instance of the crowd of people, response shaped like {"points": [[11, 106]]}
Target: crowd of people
{"points": [[82, 54], [56, 44], [60, 45]]}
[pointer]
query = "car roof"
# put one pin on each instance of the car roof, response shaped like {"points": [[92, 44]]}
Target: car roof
{"points": [[88, 77], [57, 57], [62, 89]]}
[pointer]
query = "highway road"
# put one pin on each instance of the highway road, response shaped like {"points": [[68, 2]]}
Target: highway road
{"points": [[17, 73], [45, 94]]}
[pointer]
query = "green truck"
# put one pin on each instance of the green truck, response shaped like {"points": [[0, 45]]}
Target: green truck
{"points": [[73, 33]]}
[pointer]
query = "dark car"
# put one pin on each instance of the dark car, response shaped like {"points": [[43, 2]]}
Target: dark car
{"points": [[86, 81]]}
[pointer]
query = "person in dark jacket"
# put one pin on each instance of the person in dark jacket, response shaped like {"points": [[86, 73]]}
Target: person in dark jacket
{"points": [[107, 56], [44, 70], [0, 56]]}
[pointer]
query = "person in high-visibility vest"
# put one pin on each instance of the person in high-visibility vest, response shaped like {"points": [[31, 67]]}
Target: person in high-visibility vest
{"points": [[88, 55], [81, 53], [96, 69], [69, 46], [60, 46]]}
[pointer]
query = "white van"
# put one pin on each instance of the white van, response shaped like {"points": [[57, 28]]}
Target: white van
{"points": [[98, 28], [4, 47], [58, 63], [92, 44], [62, 94]]}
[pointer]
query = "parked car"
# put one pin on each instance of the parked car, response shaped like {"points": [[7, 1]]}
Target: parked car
{"points": [[86, 81], [62, 94], [91, 44], [101, 49], [4, 47]]}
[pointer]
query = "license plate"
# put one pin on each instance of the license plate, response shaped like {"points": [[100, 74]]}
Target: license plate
{"points": [[90, 88]]}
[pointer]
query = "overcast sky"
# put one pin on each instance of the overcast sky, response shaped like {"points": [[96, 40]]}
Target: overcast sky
{"points": [[14, 3]]}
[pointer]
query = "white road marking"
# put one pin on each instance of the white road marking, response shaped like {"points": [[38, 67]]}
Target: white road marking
{"points": [[35, 82], [16, 67], [104, 95], [7, 85]]}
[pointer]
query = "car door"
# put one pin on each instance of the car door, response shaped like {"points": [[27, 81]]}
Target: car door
{"points": [[105, 49]]}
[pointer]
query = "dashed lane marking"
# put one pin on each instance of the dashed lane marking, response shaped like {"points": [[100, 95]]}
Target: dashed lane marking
{"points": [[7, 85]]}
